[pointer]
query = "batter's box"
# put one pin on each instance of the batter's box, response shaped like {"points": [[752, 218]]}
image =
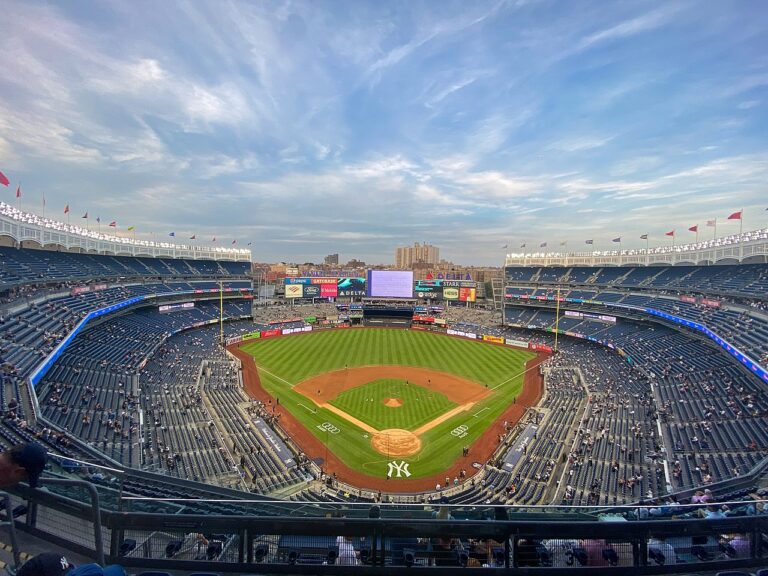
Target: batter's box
{"points": [[328, 427]]}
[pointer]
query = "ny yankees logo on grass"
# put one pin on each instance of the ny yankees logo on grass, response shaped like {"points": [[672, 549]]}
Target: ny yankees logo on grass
{"points": [[395, 467]]}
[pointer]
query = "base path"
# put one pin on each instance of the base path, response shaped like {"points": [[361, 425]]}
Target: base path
{"points": [[480, 451]]}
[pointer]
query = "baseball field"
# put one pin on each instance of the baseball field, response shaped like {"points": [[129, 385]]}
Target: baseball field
{"points": [[395, 404]]}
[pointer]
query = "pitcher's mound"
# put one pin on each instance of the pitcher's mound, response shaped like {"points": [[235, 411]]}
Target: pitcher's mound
{"points": [[396, 442], [393, 402]]}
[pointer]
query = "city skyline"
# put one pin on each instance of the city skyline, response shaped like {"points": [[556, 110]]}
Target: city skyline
{"points": [[311, 128]]}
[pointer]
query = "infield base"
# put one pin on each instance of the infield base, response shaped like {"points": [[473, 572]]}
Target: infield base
{"points": [[396, 442]]}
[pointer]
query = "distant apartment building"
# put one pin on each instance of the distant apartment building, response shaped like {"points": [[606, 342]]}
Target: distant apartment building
{"points": [[417, 255], [332, 260]]}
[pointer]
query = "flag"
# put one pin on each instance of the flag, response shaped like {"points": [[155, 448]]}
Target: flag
{"points": [[130, 228], [543, 245], [563, 243], [589, 242], [503, 247], [694, 228], [85, 215], [522, 245], [616, 239], [66, 209], [214, 239], [3, 180], [43, 200], [249, 243], [234, 242], [193, 236], [711, 223], [670, 233], [644, 237], [113, 224], [18, 191], [735, 215], [98, 219], [171, 233]]}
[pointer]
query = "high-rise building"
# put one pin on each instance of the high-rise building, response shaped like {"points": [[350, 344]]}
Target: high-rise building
{"points": [[418, 254], [332, 260]]}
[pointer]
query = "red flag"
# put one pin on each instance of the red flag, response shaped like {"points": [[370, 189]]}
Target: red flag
{"points": [[735, 215], [694, 228], [193, 236], [66, 209], [18, 191], [234, 242], [3, 180], [113, 224], [670, 233], [85, 216]]}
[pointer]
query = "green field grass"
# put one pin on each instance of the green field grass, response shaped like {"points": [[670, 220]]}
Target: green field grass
{"points": [[367, 403], [285, 361]]}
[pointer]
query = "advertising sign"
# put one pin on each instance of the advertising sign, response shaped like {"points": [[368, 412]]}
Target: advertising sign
{"points": [[270, 333], [351, 287], [294, 290], [494, 339], [312, 291], [451, 293], [329, 290], [467, 294], [518, 343]]}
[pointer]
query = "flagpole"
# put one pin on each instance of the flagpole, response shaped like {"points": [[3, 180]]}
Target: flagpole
{"points": [[741, 221], [714, 236], [43, 195]]}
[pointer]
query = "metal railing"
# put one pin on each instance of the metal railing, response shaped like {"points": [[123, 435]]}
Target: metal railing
{"points": [[383, 539]]}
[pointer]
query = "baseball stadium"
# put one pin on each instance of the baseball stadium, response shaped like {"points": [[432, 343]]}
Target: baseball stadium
{"points": [[183, 401]]}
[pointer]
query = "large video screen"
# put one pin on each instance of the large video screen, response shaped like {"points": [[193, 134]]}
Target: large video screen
{"points": [[390, 284]]}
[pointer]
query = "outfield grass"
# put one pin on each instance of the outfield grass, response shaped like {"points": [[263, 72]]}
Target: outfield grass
{"points": [[367, 403], [285, 361]]}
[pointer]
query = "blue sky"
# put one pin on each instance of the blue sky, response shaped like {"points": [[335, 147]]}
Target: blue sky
{"points": [[355, 127]]}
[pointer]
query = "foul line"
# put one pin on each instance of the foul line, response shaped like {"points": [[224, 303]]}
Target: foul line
{"points": [[515, 376], [260, 369]]}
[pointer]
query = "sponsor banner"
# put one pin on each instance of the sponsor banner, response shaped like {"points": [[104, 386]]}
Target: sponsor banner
{"points": [[452, 332], [297, 281], [606, 318], [467, 294], [351, 287], [689, 299], [233, 340], [417, 327], [427, 319], [270, 333], [495, 339], [312, 291], [518, 343], [287, 331], [250, 335], [294, 290], [711, 303], [451, 293], [174, 307], [540, 347], [573, 313], [333, 281], [440, 322], [329, 290], [431, 293], [79, 290]]}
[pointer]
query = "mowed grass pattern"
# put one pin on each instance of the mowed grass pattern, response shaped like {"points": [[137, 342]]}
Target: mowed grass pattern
{"points": [[367, 403], [297, 357], [286, 361]]}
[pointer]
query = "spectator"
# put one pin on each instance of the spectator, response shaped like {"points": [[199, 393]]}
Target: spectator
{"points": [[348, 556], [53, 564], [22, 462]]}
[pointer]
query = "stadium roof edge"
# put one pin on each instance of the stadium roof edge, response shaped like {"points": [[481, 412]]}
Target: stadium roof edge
{"points": [[748, 247], [28, 227]]}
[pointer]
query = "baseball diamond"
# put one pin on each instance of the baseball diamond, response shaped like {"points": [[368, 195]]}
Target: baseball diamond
{"points": [[390, 394]]}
